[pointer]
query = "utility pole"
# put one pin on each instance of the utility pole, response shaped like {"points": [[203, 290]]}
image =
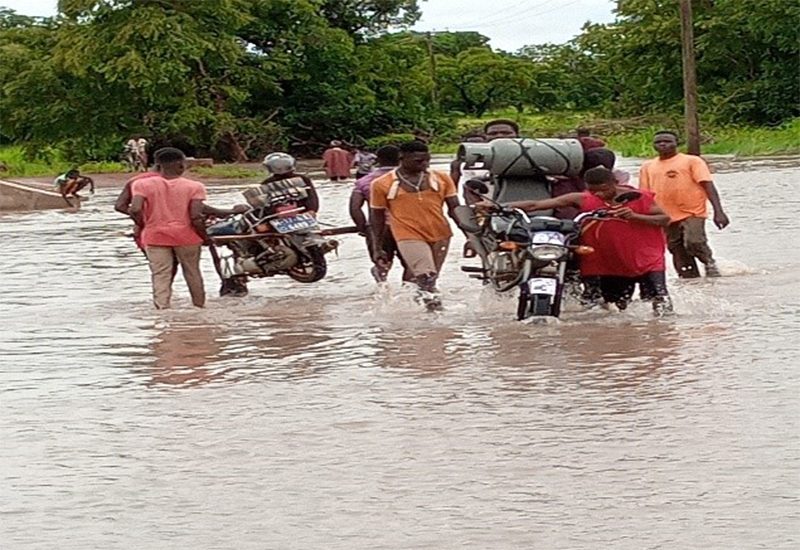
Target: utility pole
{"points": [[432, 66], [689, 78]]}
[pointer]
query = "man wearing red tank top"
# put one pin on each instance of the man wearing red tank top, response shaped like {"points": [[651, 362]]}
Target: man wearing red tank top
{"points": [[629, 244]]}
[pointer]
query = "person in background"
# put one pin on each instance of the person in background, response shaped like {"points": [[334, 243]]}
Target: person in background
{"points": [[141, 151], [683, 186], [587, 140], [388, 157], [500, 128], [131, 154], [170, 210], [628, 245], [364, 162], [337, 161], [414, 197], [71, 182]]}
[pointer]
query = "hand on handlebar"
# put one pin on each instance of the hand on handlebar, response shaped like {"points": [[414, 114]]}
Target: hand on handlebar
{"points": [[622, 212], [485, 206]]}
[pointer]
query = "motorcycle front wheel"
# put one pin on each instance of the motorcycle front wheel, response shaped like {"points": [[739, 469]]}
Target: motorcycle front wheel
{"points": [[311, 268]]}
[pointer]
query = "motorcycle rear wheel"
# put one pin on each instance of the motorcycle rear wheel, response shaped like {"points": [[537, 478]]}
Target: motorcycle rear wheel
{"points": [[311, 268]]}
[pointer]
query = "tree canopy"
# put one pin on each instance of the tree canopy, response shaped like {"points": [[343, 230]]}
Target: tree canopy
{"points": [[235, 78]]}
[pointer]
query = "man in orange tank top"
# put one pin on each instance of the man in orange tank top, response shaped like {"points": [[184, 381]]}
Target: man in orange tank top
{"points": [[682, 185]]}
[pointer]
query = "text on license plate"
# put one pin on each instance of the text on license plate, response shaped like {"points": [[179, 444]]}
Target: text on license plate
{"points": [[542, 285], [295, 223]]}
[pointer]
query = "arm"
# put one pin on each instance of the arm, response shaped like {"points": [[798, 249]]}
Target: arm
{"points": [[136, 209], [721, 219], [570, 199], [91, 184], [357, 201], [377, 223], [196, 213], [124, 200], [655, 215], [452, 203], [224, 212], [455, 170]]}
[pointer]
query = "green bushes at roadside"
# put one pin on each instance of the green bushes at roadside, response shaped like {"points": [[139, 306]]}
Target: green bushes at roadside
{"points": [[633, 137], [48, 163]]}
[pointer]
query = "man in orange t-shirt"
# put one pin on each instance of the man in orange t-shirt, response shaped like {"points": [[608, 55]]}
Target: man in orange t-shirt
{"points": [[682, 185], [414, 198]]}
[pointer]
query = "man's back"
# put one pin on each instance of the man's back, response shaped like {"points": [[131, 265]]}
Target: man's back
{"points": [[167, 220]]}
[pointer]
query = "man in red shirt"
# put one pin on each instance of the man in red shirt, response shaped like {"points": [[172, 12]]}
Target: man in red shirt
{"points": [[337, 161], [629, 244], [169, 208]]}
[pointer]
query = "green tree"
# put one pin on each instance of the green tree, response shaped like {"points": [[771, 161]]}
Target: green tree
{"points": [[367, 17], [479, 79]]}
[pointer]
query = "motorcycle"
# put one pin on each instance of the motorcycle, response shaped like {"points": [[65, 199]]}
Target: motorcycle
{"points": [[535, 254], [277, 236]]}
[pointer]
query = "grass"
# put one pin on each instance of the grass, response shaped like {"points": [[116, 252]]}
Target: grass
{"points": [[228, 171], [633, 137], [18, 165]]}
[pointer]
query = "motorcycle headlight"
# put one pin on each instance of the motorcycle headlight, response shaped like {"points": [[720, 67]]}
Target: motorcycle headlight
{"points": [[548, 253]]}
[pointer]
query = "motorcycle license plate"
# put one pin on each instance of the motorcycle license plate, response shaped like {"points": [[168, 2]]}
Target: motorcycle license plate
{"points": [[295, 223], [548, 237], [542, 285]]}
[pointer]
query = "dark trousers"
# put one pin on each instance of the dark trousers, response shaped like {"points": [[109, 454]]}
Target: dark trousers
{"points": [[619, 290], [687, 242]]}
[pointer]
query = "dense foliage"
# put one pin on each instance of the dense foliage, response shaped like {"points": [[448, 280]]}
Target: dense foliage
{"points": [[234, 78]]}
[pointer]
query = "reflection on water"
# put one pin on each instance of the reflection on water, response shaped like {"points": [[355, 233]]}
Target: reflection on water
{"points": [[181, 355], [337, 415]]}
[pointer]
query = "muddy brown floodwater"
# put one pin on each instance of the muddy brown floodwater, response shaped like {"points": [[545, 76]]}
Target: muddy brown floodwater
{"points": [[339, 416]]}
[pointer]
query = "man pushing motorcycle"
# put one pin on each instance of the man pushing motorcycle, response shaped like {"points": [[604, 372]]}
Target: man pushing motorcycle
{"points": [[629, 244]]}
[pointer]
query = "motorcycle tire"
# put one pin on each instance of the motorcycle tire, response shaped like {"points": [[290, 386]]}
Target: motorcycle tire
{"points": [[540, 305], [535, 305], [311, 268]]}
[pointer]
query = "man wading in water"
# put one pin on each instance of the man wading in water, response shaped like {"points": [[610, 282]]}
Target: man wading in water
{"points": [[683, 186], [171, 212], [414, 198]]}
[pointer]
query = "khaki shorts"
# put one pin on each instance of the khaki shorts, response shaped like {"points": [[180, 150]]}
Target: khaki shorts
{"points": [[424, 258]]}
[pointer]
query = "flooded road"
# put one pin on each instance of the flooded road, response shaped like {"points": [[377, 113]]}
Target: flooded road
{"points": [[338, 416]]}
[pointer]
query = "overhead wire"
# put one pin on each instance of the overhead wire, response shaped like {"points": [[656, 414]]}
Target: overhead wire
{"points": [[502, 14], [507, 19]]}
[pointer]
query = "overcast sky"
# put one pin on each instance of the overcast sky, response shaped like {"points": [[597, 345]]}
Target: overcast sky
{"points": [[510, 24]]}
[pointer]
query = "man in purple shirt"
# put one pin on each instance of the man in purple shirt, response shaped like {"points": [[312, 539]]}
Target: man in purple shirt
{"points": [[388, 158]]}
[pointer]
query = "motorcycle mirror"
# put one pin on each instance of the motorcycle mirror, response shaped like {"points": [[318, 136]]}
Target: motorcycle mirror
{"points": [[628, 196], [477, 186]]}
